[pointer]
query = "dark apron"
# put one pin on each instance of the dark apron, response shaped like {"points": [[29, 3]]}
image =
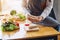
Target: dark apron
{"points": [[36, 7]]}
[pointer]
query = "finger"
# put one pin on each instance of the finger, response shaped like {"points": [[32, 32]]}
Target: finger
{"points": [[31, 19]]}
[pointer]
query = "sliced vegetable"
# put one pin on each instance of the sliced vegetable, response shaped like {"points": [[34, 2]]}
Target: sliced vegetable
{"points": [[13, 12], [17, 24], [22, 17], [8, 26]]}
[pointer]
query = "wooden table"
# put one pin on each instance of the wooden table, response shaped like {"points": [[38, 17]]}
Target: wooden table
{"points": [[44, 32]]}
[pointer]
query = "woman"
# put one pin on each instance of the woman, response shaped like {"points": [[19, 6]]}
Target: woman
{"points": [[41, 12]]}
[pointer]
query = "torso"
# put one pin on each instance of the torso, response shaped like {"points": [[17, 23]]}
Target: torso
{"points": [[36, 6]]}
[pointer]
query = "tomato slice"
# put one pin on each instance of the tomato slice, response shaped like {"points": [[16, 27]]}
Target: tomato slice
{"points": [[17, 24], [26, 24]]}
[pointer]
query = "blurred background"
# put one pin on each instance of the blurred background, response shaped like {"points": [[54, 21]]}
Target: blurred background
{"points": [[57, 9]]}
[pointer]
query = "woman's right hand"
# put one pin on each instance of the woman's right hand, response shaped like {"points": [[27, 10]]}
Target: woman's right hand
{"points": [[34, 19]]}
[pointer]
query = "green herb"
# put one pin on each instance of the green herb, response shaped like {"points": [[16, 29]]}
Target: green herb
{"points": [[8, 26], [13, 12]]}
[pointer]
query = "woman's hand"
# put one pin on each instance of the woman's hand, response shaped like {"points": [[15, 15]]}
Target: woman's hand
{"points": [[35, 19]]}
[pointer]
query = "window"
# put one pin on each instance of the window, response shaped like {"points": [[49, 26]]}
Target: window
{"points": [[9, 5]]}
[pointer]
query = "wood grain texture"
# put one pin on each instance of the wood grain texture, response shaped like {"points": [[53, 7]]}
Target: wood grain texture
{"points": [[43, 32]]}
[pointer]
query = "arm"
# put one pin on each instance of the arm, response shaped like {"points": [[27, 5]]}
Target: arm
{"points": [[47, 10], [25, 3]]}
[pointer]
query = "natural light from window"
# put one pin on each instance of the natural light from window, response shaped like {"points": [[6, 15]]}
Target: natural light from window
{"points": [[8, 5]]}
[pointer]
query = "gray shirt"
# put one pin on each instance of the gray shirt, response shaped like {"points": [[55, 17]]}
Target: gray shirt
{"points": [[47, 10]]}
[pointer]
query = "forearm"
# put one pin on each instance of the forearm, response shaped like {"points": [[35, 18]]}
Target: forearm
{"points": [[24, 3], [47, 10]]}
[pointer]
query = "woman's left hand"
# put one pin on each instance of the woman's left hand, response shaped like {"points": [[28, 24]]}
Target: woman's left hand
{"points": [[35, 19]]}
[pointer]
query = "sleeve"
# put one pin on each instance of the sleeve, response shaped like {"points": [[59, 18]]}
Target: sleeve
{"points": [[48, 9]]}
